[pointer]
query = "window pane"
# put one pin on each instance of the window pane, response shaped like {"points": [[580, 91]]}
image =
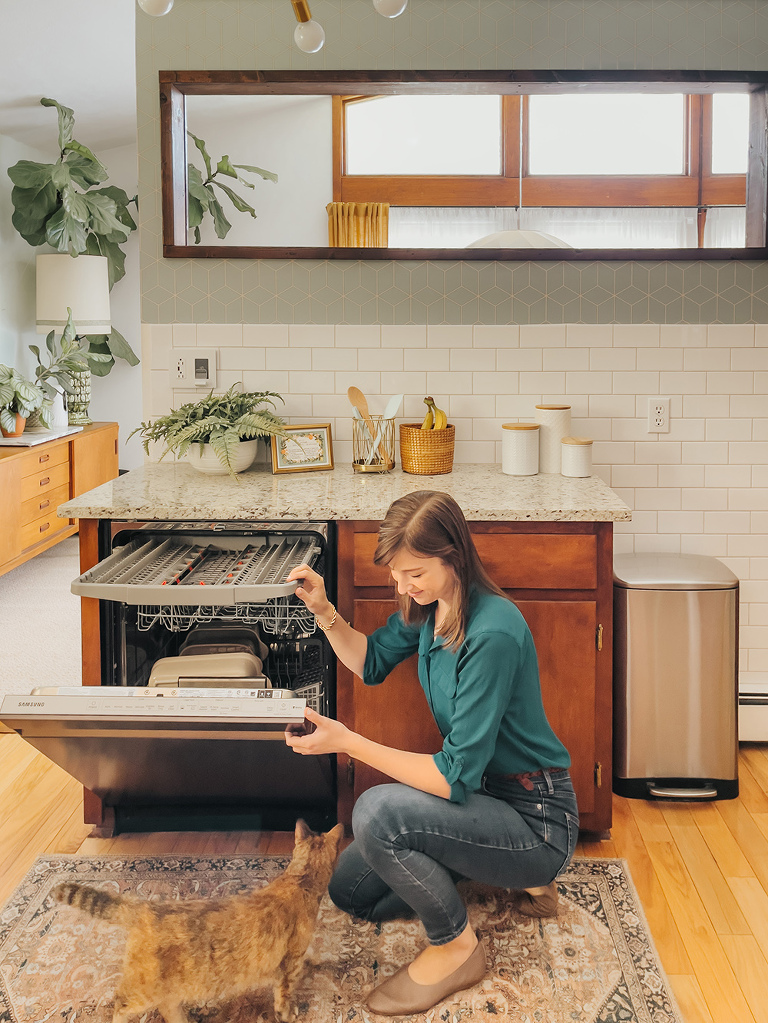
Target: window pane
{"points": [[730, 133], [607, 134], [424, 135]]}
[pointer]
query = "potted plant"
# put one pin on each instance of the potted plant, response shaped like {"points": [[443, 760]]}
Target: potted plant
{"points": [[218, 434], [19, 398]]}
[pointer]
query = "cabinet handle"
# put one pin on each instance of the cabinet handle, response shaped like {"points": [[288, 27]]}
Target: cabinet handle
{"points": [[599, 637], [45, 525], [45, 481], [43, 458], [598, 775], [44, 504]]}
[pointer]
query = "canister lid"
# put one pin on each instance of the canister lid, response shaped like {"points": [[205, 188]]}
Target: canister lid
{"points": [[520, 426], [672, 572], [576, 440], [554, 408]]}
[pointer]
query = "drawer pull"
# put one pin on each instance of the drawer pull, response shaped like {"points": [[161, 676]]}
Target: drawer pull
{"points": [[44, 504], [45, 525], [43, 458], [45, 482]]}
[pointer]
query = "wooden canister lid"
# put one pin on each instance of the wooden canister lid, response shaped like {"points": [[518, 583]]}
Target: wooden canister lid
{"points": [[576, 440], [554, 408], [520, 426]]}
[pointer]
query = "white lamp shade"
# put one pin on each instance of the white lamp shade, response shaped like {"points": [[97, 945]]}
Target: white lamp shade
{"points": [[78, 282]]}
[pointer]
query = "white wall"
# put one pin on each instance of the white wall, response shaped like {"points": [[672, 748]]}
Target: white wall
{"points": [[702, 488], [17, 269]]}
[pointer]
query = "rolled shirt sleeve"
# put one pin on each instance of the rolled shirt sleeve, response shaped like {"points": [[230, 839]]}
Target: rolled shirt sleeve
{"points": [[484, 688], [388, 647]]}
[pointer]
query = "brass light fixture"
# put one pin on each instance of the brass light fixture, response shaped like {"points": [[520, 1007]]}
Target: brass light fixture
{"points": [[308, 34]]}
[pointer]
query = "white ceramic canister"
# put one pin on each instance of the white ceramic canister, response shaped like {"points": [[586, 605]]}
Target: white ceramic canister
{"points": [[555, 423], [576, 456], [520, 449]]}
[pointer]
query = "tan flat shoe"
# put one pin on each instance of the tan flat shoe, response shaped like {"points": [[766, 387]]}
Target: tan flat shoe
{"points": [[535, 906], [401, 996]]}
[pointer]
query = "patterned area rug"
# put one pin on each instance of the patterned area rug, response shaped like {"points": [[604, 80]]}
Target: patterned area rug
{"points": [[594, 963]]}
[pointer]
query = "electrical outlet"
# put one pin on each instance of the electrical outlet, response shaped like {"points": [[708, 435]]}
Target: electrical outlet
{"points": [[658, 415], [193, 367]]}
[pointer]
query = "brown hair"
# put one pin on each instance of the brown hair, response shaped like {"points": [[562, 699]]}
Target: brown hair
{"points": [[430, 524]]}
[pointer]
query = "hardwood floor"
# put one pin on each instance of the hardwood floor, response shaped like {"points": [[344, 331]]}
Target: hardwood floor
{"points": [[701, 870]]}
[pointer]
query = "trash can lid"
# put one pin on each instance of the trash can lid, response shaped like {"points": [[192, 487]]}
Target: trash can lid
{"points": [[672, 572]]}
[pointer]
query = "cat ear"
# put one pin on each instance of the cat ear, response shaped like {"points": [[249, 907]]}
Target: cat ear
{"points": [[336, 834], [302, 831]]}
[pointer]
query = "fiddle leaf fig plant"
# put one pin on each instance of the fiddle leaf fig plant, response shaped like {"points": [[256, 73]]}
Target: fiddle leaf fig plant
{"points": [[202, 198], [58, 204]]}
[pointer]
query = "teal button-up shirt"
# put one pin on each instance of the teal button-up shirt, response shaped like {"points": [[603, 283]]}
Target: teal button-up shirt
{"points": [[485, 697]]}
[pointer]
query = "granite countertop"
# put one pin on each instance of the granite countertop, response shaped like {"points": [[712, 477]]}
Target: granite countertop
{"points": [[176, 491]]}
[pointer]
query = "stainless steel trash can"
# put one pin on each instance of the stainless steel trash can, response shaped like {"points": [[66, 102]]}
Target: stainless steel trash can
{"points": [[675, 677]]}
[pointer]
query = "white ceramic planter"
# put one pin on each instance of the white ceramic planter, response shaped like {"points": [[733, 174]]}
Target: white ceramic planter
{"points": [[208, 461]]}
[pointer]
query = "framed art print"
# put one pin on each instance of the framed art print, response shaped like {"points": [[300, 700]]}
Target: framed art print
{"points": [[303, 448]]}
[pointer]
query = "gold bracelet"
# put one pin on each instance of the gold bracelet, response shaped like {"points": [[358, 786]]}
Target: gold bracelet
{"points": [[330, 624]]}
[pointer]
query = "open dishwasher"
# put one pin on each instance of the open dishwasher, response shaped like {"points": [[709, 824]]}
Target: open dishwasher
{"points": [[207, 655]]}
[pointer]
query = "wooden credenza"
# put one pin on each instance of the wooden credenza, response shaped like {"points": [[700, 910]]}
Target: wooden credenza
{"points": [[560, 576], [34, 481]]}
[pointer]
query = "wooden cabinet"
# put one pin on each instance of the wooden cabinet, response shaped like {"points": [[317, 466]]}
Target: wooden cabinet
{"points": [[34, 481], [560, 576]]}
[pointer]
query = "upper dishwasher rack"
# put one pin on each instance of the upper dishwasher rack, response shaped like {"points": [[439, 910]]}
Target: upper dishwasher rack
{"points": [[190, 572]]}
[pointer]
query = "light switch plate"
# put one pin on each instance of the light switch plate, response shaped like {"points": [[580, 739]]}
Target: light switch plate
{"points": [[193, 367]]}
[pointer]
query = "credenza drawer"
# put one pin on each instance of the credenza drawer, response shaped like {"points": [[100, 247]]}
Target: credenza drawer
{"points": [[44, 504], [515, 561], [44, 481], [41, 529], [37, 461]]}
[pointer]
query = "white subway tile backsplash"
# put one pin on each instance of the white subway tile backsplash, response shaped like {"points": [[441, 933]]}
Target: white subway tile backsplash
{"points": [[701, 488], [493, 336]]}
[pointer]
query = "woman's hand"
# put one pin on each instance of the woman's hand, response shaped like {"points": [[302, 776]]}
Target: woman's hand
{"points": [[318, 734], [311, 590]]}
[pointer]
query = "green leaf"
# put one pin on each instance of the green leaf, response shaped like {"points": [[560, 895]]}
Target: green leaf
{"points": [[115, 260], [225, 167], [225, 444], [66, 120], [83, 170], [237, 202], [97, 344], [103, 219], [7, 420], [194, 213], [65, 233], [96, 168], [121, 201], [27, 174], [197, 236], [201, 146], [120, 348], [267, 175], [75, 204], [33, 207], [60, 176], [220, 223], [196, 187], [36, 351]]}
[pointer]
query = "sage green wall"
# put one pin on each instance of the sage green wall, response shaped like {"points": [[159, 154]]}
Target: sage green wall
{"points": [[443, 34]]}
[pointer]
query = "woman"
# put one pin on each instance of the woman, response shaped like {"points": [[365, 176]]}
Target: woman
{"points": [[495, 804]]}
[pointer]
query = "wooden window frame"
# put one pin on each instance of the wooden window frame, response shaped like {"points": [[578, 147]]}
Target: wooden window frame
{"points": [[176, 85]]}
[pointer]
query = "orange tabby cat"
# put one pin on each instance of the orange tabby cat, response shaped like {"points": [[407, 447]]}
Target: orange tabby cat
{"points": [[202, 950]]}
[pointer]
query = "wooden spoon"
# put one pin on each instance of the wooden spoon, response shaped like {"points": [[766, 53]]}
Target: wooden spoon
{"points": [[360, 402]]}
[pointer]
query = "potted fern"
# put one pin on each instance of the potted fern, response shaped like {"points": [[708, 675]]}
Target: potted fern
{"points": [[218, 434]]}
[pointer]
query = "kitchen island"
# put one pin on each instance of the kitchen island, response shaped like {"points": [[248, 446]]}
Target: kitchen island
{"points": [[547, 540]]}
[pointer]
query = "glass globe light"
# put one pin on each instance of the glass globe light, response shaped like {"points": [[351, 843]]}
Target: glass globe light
{"points": [[309, 36], [390, 8], [155, 8]]}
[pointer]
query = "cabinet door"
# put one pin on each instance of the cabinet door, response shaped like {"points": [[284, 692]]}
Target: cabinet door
{"points": [[10, 511], [395, 713], [94, 459], [564, 636]]}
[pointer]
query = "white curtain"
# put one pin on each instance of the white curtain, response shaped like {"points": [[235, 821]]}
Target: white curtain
{"points": [[593, 228]]}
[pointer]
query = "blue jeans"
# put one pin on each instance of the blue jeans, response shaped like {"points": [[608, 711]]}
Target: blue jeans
{"points": [[411, 847]]}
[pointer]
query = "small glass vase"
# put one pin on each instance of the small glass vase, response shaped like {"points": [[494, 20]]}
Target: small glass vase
{"points": [[80, 398]]}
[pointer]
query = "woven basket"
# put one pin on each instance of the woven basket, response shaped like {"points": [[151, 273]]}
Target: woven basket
{"points": [[426, 452]]}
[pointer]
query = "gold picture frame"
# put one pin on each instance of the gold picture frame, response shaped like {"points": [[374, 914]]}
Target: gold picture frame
{"points": [[303, 448]]}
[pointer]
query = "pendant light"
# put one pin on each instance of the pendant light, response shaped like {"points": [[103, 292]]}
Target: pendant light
{"points": [[155, 8], [308, 34], [390, 8]]}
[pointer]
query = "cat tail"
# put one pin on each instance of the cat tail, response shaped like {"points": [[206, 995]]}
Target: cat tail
{"points": [[97, 903]]}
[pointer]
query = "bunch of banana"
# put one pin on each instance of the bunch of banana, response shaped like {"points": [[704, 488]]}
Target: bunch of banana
{"points": [[435, 419]]}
